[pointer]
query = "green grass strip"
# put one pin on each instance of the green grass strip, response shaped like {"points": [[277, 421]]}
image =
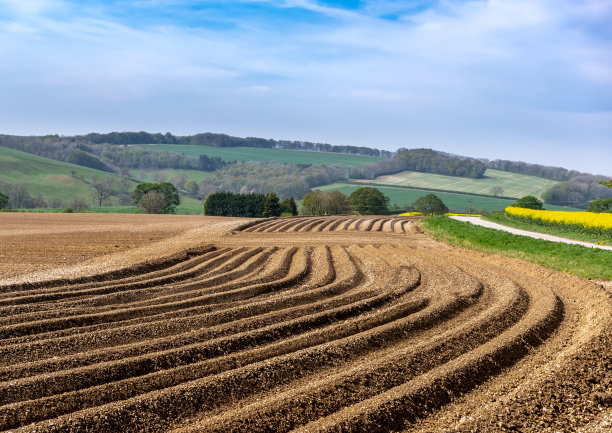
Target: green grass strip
{"points": [[573, 259], [558, 230]]}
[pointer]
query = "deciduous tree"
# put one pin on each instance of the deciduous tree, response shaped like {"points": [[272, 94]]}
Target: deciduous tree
{"points": [[166, 189], [528, 202], [368, 201], [430, 205]]}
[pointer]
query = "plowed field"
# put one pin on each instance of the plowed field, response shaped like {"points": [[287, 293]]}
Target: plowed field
{"points": [[335, 324]]}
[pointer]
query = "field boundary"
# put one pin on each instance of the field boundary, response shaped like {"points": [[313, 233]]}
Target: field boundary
{"points": [[535, 235]]}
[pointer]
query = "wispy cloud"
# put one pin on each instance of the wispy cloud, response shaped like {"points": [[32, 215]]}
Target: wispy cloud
{"points": [[459, 75]]}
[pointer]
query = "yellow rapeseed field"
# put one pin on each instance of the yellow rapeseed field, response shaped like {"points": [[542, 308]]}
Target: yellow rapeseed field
{"points": [[587, 221]]}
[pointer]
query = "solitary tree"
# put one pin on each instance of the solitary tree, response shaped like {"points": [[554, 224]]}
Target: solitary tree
{"points": [[271, 206], [288, 206], [528, 202], [102, 189], [166, 189], [192, 188], [3, 200], [368, 200], [430, 205], [496, 190]]}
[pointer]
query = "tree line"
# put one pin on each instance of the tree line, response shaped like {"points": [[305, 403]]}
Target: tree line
{"points": [[202, 139], [424, 161]]}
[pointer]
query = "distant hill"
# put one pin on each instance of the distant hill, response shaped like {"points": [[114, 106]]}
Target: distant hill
{"points": [[52, 180], [493, 183]]}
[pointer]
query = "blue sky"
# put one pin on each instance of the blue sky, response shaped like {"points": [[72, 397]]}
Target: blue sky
{"points": [[514, 79]]}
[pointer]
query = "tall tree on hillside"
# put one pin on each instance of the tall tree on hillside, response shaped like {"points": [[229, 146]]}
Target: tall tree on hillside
{"points": [[102, 188], [496, 190]]}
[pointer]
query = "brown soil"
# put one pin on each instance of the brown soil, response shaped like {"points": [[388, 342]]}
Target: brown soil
{"points": [[157, 323]]}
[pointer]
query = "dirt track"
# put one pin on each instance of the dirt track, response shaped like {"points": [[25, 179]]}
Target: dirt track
{"points": [[306, 324]]}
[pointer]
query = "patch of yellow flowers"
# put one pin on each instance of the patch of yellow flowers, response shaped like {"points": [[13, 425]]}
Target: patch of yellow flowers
{"points": [[583, 221]]}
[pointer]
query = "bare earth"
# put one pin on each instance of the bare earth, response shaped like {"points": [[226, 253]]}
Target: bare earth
{"points": [[347, 324]]}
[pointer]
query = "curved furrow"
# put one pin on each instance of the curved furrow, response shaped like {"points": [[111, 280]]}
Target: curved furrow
{"points": [[173, 271], [282, 226], [407, 402], [253, 227], [371, 375], [324, 225], [20, 390], [132, 272], [311, 226], [137, 309], [264, 227], [378, 225], [134, 330], [104, 299], [375, 330], [338, 224], [329, 286]]}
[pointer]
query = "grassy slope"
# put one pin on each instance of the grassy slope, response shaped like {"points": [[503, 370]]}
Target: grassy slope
{"points": [[575, 259], [404, 197], [513, 184], [501, 218], [47, 177], [268, 155]]}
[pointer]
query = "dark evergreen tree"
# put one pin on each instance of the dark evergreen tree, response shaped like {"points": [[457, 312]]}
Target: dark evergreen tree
{"points": [[288, 206], [272, 206], [3, 200]]}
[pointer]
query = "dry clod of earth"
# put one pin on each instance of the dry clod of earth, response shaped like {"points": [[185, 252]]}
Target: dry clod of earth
{"points": [[309, 324]]}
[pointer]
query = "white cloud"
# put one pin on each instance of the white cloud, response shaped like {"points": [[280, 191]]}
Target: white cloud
{"points": [[460, 73]]}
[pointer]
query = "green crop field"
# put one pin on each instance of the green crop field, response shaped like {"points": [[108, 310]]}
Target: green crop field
{"points": [[403, 197], [268, 155], [513, 184], [49, 178]]}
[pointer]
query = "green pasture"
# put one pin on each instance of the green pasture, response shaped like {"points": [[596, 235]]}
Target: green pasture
{"points": [[49, 178], [574, 259], [403, 197], [513, 184], [268, 155]]}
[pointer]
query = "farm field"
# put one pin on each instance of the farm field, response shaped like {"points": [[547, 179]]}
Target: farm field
{"points": [[49, 178], [307, 324], [513, 184], [281, 156], [404, 197]]}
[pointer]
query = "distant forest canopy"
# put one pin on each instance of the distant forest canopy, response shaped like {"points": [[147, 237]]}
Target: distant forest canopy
{"points": [[203, 139], [424, 161]]}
